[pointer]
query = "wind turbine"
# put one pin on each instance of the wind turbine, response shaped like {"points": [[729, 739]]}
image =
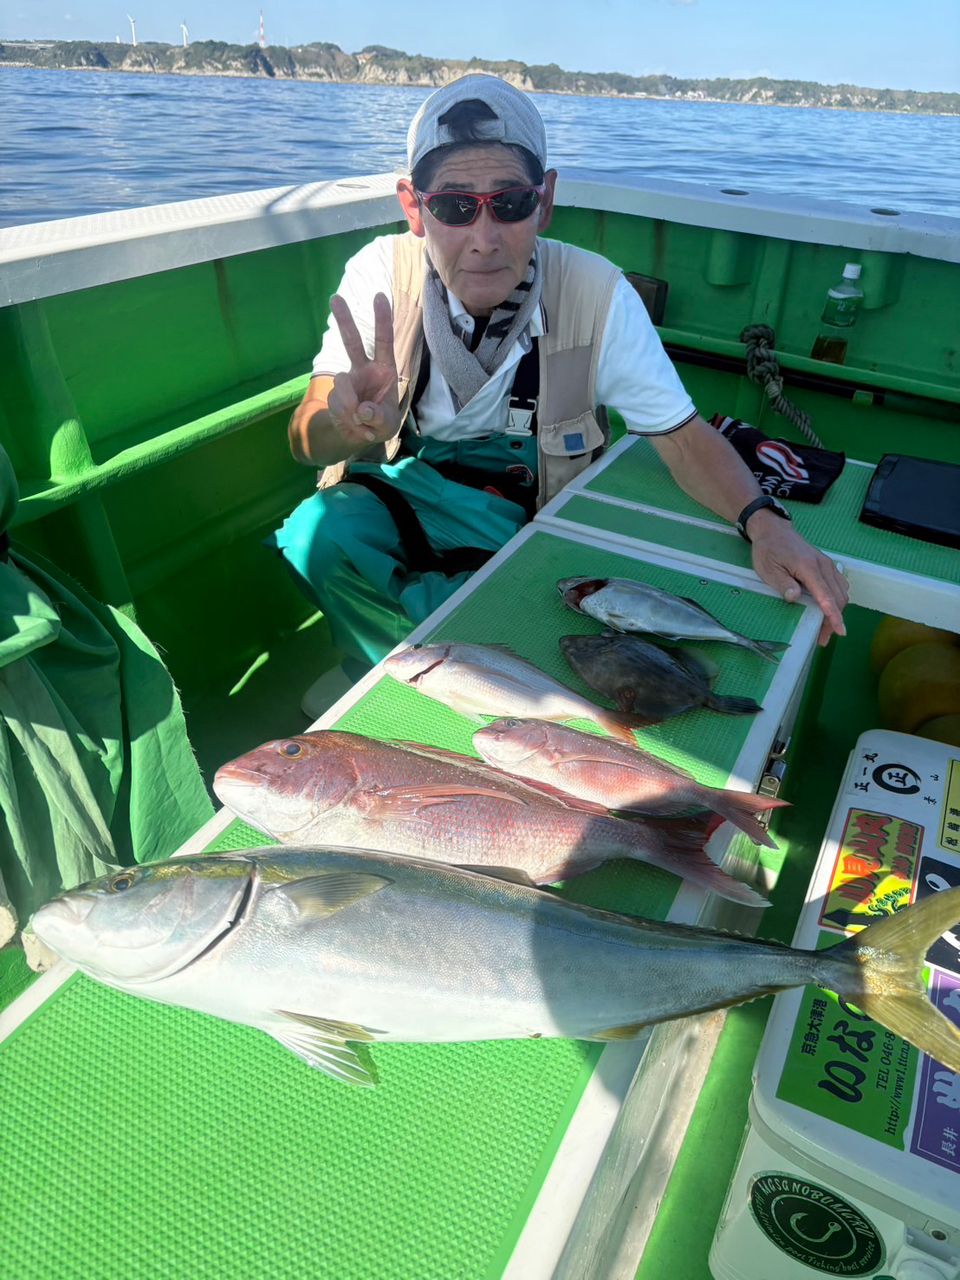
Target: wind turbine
{"points": [[133, 29], [183, 28]]}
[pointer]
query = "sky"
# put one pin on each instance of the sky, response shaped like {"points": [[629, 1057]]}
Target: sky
{"points": [[884, 44]]}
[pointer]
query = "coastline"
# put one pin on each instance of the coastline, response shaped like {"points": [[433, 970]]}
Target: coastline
{"points": [[384, 83]]}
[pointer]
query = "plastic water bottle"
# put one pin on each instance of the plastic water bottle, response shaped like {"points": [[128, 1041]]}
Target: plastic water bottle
{"points": [[843, 299]]}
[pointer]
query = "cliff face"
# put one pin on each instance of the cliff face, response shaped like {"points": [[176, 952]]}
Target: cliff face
{"points": [[376, 64]]}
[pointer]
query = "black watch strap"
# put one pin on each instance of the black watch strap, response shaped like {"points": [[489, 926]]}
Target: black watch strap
{"points": [[764, 502]]}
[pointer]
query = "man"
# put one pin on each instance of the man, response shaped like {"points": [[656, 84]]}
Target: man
{"points": [[442, 342]]}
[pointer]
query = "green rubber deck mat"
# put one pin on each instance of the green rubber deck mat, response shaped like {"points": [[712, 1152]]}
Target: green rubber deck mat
{"points": [[637, 475], [141, 1141]]}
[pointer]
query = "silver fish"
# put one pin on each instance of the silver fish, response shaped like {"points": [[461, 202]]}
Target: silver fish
{"points": [[625, 780], [636, 606], [326, 949], [332, 787], [488, 680]]}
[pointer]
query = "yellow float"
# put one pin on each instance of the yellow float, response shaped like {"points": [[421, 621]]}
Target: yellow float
{"points": [[919, 684], [893, 635]]}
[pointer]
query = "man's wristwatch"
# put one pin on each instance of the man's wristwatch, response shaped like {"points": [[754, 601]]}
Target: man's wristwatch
{"points": [[759, 504]]}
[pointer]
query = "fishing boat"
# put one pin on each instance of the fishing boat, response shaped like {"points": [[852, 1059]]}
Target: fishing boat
{"points": [[152, 360]]}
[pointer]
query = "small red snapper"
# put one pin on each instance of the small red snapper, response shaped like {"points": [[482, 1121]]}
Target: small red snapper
{"points": [[624, 779], [335, 788]]}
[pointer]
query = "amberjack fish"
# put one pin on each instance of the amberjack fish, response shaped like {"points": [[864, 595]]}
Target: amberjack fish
{"points": [[624, 605], [625, 780], [330, 949], [332, 787]]}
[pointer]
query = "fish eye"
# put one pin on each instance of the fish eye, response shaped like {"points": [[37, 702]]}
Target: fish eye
{"points": [[121, 882], [292, 749]]}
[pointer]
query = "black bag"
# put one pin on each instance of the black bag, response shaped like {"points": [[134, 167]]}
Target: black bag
{"points": [[782, 468]]}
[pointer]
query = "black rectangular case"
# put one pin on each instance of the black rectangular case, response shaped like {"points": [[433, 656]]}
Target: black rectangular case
{"points": [[917, 497]]}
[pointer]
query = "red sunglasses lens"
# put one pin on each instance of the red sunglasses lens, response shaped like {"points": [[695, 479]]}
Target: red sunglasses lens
{"points": [[460, 208]]}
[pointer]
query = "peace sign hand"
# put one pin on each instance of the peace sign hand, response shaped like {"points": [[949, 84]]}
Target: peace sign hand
{"points": [[364, 404]]}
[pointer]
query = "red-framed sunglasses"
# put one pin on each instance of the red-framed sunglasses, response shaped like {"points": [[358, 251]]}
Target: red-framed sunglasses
{"points": [[461, 208]]}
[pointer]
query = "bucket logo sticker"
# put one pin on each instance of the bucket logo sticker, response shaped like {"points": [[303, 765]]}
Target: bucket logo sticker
{"points": [[875, 869], [898, 778], [815, 1226]]}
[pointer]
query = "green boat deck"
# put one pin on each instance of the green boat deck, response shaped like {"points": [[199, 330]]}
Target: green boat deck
{"points": [[629, 497], [435, 1171]]}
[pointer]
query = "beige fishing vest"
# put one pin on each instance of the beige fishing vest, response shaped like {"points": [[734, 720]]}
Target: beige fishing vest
{"points": [[577, 289]]}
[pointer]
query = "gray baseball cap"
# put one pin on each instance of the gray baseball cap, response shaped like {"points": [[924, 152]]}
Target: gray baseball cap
{"points": [[517, 122]]}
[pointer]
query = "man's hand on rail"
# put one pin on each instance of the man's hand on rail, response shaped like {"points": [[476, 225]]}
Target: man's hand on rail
{"points": [[786, 562]]}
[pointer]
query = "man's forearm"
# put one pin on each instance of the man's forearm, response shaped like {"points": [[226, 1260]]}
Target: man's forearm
{"points": [[708, 468]]}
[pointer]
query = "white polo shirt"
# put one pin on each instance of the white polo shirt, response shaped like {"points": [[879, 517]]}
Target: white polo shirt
{"points": [[634, 375]]}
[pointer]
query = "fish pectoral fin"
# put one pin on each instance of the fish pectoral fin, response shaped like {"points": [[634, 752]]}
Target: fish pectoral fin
{"points": [[322, 1044], [499, 873], [322, 895], [697, 662], [629, 1031], [398, 802]]}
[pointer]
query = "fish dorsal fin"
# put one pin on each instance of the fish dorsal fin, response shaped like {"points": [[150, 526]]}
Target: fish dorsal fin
{"points": [[437, 753], [556, 792], [699, 607], [512, 874], [322, 1044], [319, 896], [634, 813]]}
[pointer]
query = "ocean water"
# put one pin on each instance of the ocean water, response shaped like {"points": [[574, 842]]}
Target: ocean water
{"points": [[78, 142]]}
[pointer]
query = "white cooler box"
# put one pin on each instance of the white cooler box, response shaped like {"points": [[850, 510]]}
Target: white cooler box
{"points": [[851, 1161]]}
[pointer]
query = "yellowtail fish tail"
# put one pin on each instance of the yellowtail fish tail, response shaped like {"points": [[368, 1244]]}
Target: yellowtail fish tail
{"points": [[891, 956], [741, 808], [769, 650], [677, 845], [731, 706]]}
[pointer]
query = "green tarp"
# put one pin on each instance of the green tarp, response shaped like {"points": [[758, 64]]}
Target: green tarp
{"points": [[95, 765]]}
